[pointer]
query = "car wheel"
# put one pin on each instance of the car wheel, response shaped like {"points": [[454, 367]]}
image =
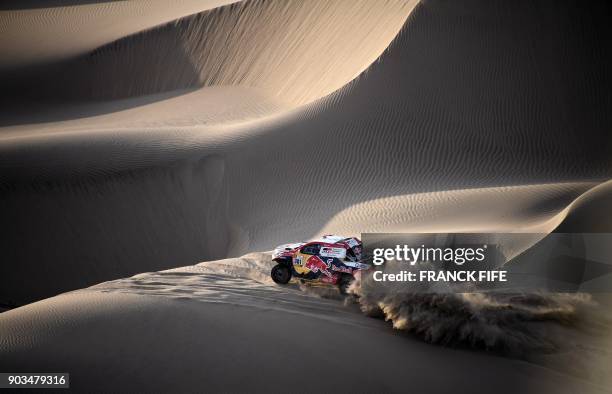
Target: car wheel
{"points": [[281, 274], [344, 283]]}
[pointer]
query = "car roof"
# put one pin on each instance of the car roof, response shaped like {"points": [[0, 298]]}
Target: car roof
{"points": [[330, 239]]}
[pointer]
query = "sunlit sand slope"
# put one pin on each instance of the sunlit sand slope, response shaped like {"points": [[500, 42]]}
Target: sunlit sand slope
{"points": [[35, 32], [295, 51]]}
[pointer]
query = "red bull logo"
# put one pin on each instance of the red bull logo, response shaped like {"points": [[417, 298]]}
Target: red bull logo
{"points": [[315, 264]]}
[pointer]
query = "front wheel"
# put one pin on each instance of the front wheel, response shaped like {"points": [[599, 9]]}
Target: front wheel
{"points": [[281, 274]]}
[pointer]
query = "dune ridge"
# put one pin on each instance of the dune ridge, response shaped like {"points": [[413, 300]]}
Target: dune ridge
{"points": [[48, 32], [294, 51]]}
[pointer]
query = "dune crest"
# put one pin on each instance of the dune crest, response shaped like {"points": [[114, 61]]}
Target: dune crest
{"points": [[294, 51], [51, 31]]}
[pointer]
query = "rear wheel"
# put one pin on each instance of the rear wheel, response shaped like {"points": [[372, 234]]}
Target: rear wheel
{"points": [[344, 283], [281, 274]]}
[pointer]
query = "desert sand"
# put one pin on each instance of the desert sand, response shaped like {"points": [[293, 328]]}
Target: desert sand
{"points": [[215, 327], [162, 142]]}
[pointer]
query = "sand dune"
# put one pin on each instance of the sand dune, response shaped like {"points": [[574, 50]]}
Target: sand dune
{"points": [[37, 32], [590, 213], [174, 321], [296, 52], [182, 109], [146, 189]]}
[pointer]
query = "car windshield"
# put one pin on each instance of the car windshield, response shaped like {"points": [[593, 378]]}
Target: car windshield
{"points": [[350, 255]]}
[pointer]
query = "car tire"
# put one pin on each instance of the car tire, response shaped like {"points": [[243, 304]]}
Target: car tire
{"points": [[344, 283], [281, 274]]}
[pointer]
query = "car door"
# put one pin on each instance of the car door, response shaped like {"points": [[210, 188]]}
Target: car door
{"points": [[311, 261], [301, 261]]}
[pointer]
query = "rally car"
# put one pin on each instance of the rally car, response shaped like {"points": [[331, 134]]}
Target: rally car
{"points": [[332, 259]]}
